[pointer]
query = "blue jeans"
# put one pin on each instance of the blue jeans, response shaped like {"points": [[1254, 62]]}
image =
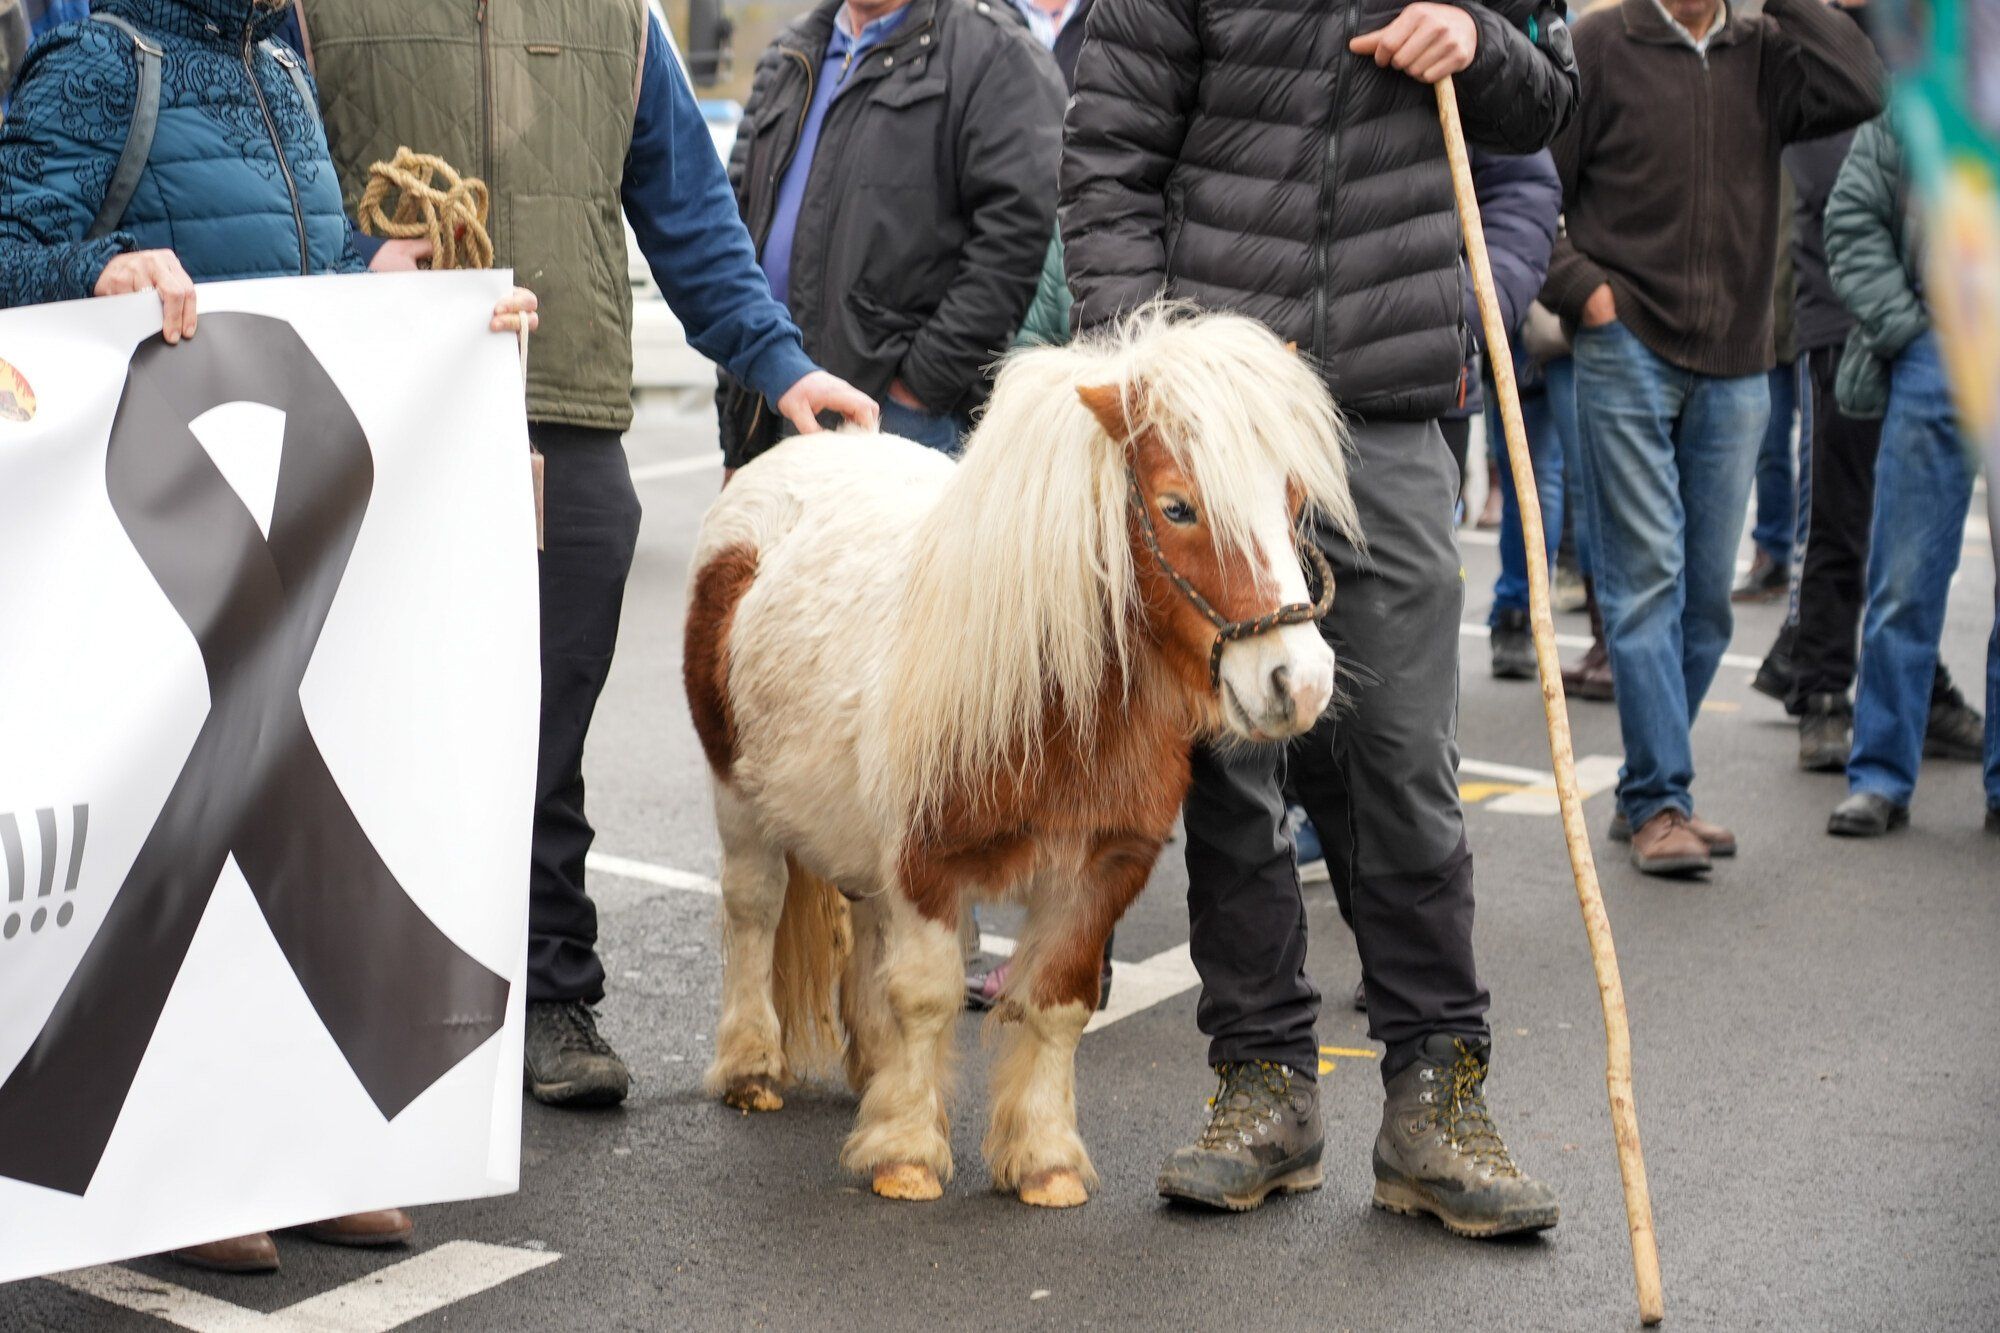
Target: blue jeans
{"points": [[1559, 389], [1667, 457], [1777, 496], [1923, 488], [940, 431], [1545, 455]]}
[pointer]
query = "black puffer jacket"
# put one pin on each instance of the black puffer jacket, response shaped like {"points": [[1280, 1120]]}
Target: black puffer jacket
{"points": [[1235, 153], [926, 213]]}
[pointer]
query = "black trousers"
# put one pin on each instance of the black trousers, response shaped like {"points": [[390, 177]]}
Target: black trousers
{"points": [[1379, 779], [590, 531], [1832, 582]]}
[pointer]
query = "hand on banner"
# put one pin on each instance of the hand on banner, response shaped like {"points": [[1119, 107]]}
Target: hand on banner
{"points": [[159, 271], [1426, 42], [516, 312], [403, 256], [821, 392]]}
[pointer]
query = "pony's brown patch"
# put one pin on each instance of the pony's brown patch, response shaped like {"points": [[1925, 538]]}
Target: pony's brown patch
{"points": [[718, 587]]}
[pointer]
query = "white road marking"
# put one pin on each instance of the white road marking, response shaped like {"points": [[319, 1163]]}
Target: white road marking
{"points": [[1472, 630], [647, 873], [375, 1303], [678, 467]]}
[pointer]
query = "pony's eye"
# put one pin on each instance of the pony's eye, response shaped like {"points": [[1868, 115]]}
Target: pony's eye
{"points": [[1178, 511]]}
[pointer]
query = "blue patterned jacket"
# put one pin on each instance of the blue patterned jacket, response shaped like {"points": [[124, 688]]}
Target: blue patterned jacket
{"points": [[238, 184]]}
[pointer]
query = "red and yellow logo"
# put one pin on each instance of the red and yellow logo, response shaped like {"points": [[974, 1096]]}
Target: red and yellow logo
{"points": [[17, 399]]}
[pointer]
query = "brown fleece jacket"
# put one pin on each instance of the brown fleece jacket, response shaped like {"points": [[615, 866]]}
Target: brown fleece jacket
{"points": [[1670, 168]]}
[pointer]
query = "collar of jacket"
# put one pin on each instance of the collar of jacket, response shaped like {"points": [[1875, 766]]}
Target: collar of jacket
{"points": [[812, 33], [201, 20], [1645, 23]]}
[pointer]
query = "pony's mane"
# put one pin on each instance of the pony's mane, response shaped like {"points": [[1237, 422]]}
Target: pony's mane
{"points": [[1021, 594]]}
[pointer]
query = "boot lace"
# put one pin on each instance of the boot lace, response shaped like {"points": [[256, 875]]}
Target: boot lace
{"points": [[1462, 1114], [576, 1029], [1246, 1096]]}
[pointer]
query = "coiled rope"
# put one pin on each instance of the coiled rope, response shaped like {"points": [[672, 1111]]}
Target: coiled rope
{"points": [[436, 204]]}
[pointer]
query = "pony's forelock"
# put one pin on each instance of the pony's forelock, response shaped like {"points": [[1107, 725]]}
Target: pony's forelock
{"points": [[1020, 598]]}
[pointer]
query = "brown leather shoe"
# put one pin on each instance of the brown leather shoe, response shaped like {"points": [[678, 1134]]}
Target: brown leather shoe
{"points": [[1591, 677], [1720, 841], [1667, 844], [255, 1253], [384, 1226]]}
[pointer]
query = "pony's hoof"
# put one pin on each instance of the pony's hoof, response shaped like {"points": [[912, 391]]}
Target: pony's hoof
{"points": [[753, 1092], [1058, 1187], [907, 1180]]}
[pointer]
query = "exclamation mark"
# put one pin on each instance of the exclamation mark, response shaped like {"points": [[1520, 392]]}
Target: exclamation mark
{"points": [[45, 824], [17, 888], [79, 822]]}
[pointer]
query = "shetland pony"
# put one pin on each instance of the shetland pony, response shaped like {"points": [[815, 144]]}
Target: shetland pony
{"points": [[920, 683]]}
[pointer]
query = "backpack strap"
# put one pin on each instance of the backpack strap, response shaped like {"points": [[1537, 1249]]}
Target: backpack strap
{"points": [[281, 53], [138, 135]]}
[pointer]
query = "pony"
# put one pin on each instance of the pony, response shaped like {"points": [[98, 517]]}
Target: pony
{"points": [[920, 683]]}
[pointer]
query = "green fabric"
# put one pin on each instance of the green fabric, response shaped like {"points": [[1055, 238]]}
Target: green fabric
{"points": [[539, 106], [1872, 257], [1047, 324]]}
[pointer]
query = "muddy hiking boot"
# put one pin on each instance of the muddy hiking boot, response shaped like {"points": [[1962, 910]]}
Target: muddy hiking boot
{"points": [[1439, 1152], [568, 1062], [1263, 1134], [1955, 729]]}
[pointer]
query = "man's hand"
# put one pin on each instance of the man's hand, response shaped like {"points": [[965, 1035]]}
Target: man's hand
{"points": [[401, 256], [820, 392], [901, 393], [1601, 308], [1426, 41], [515, 313], [158, 271]]}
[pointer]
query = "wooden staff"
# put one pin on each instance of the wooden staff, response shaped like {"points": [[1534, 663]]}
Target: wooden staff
{"points": [[1603, 955]]}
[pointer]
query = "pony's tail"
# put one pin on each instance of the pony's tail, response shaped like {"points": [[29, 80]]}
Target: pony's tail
{"points": [[815, 937]]}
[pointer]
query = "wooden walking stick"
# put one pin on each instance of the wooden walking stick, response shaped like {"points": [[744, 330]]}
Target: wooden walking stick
{"points": [[1610, 990]]}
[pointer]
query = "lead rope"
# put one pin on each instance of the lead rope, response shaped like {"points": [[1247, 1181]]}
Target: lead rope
{"points": [[436, 204]]}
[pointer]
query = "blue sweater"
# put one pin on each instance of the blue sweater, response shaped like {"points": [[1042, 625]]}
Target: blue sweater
{"points": [[238, 184], [677, 198]]}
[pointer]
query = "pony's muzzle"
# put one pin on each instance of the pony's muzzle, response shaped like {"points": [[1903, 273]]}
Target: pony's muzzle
{"points": [[1277, 684]]}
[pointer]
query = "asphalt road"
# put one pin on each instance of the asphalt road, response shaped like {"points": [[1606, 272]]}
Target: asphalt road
{"points": [[1813, 1027]]}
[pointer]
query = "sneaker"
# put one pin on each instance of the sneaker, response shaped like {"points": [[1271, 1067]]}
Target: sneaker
{"points": [[1361, 997], [1866, 815], [1440, 1153], [1766, 581], [1993, 819], [1956, 730], [1667, 845], [1719, 840], [1567, 594], [1306, 847], [1778, 674], [1513, 646], [568, 1063], [982, 988], [1826, 733], [1263, 1135]]}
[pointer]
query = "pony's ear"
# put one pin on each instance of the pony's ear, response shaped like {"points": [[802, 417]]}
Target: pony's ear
{"points": [[1107, 403]]}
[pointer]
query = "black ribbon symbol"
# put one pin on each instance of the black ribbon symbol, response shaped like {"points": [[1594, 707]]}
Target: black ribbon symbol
{"points": [[400, 1000]]}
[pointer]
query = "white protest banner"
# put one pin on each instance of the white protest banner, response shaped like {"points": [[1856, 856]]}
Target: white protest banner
{"points": [[268, 708]]}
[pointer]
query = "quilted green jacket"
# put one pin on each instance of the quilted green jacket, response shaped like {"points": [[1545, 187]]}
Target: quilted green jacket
{"points": [[1047, 324], [1874, 257]]}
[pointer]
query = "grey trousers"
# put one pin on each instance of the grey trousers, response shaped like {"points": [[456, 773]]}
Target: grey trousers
{"points": [[1378, 777]]}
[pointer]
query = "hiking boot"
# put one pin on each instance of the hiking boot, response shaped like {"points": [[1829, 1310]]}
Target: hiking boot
{"points": [[1955, 730], [1826, 733], [1263, 1134], [1719, 840], [1439, 1152], [1765, 581], [255, 1253], [1667, 845], [1866, 815], [1777, 674], [568, 1063], [1513, 646]]}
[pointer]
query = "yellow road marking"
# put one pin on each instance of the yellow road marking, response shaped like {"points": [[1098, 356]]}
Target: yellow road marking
{"points": [[1472, 793], [1327, 1066]]}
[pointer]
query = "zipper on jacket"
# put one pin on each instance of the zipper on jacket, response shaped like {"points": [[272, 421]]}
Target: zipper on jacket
{"points": [[278, 147], [1703, 183], [485, 93], [778, 169], [1326, 181]]}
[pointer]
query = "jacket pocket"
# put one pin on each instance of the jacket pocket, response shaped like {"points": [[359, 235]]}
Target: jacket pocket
{"points": [[902, 133], [562, 247]]}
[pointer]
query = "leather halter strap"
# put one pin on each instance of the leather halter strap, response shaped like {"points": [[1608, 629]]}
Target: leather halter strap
{"points": [[1228, 631]]}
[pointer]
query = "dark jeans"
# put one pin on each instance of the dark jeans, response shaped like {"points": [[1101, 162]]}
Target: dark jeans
{"points": [[1377, 777], [942, 431], [1545, 457], [591, 527], [1775, 527], [1840, 506]]}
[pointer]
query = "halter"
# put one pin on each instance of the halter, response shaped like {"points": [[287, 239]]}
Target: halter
{"points": [[1229, 631]]}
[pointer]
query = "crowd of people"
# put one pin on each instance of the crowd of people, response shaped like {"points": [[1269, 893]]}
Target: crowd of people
{"points": [[916, 184]]}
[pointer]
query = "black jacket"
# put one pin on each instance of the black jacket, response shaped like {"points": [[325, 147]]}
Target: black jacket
{"points": [[1235, 153], [1520, 199], [927, 211]]}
